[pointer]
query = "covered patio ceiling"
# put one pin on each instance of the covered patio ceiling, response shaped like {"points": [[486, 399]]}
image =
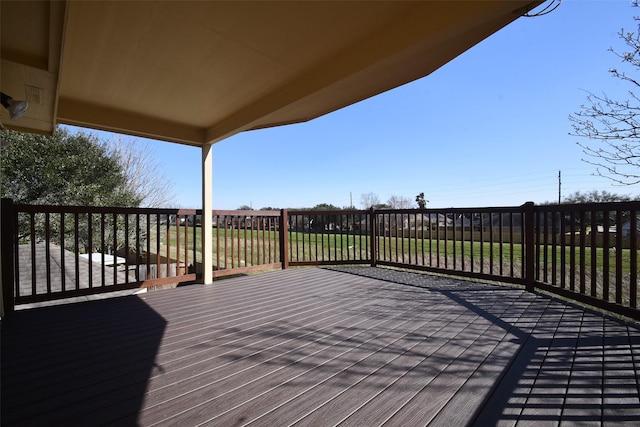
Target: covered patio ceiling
{"points": [[198, 72]]}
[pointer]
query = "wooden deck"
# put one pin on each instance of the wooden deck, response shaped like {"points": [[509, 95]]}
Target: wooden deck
{"points": [[358, 346]]}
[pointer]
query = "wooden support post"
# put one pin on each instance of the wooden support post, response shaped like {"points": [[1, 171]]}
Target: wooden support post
{"points": [[529, 245], [206, 220], [373, 237], [7, 261]]}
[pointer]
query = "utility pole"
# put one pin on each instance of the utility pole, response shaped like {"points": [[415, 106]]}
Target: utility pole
{"points": [[559, 188]]}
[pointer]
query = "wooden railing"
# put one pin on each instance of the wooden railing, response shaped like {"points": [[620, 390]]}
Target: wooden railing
{"points": [[585, 252], [245, 241], [589, 253], [472, 242], [68, 251], [328, 237]]}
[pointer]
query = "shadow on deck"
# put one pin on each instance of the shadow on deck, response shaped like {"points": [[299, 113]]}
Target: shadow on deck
{"points": [[349, 346]]}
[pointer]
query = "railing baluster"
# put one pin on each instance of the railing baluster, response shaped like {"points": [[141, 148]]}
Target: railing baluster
{"points": [[446, 242], [297, 233], [384, 235], [594, 251], [32, 239], [583, 252], [535, 241], [102, 251], [314, 234], [168, 247], [400, 244], [273, 231], [339, 247], [360, 233], [415, 235], [482, 238], [258, 242], [572, 251], [178, 239], [63, 283], [563, 254], [127, 248], [491, 241], [357, 239], [422, 218], [618, 254], [158, 220], [471, 243], [47, 242], [633, 259], [501, 237], [554, 248], [244, 233], [186, 243], [545, 255], [76, 246], [115, 252], [90, 249], [605, 256], [284, 232], [463, 240], [148, 246], [194, 230]]}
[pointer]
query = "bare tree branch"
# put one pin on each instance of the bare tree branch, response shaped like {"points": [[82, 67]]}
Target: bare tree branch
{"points": [[145, 177], [613, 126], [369, 200]]}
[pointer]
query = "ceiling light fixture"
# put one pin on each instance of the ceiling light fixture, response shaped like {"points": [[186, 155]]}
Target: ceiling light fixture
{"points": [[16, 108]]}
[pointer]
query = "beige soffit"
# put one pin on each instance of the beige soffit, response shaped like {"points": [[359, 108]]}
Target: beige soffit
{"points": [[198, 72]]}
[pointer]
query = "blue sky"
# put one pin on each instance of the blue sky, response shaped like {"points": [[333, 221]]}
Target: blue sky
{"points": [[490, 128]]}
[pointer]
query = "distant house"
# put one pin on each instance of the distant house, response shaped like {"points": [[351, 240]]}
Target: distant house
{"points": [[626, 227], [462, 222], [433, 219]]}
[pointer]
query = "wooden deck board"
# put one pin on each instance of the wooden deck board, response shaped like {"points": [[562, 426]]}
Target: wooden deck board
{"points": [[350, 346]]}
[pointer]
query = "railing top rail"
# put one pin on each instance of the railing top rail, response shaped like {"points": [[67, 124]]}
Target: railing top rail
{"points": [[328, 212], [584, 207], [103, 209], [504, 209], [221, 212]]}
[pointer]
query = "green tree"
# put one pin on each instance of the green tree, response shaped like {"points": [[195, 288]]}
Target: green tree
{"points": [[75, 169], [325, 207], [420, 200], [613, 125], [323, 222], [596, 196], [63, 169]]}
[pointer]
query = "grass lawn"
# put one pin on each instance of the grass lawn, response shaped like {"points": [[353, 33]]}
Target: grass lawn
{"points": [[237, 248]]}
